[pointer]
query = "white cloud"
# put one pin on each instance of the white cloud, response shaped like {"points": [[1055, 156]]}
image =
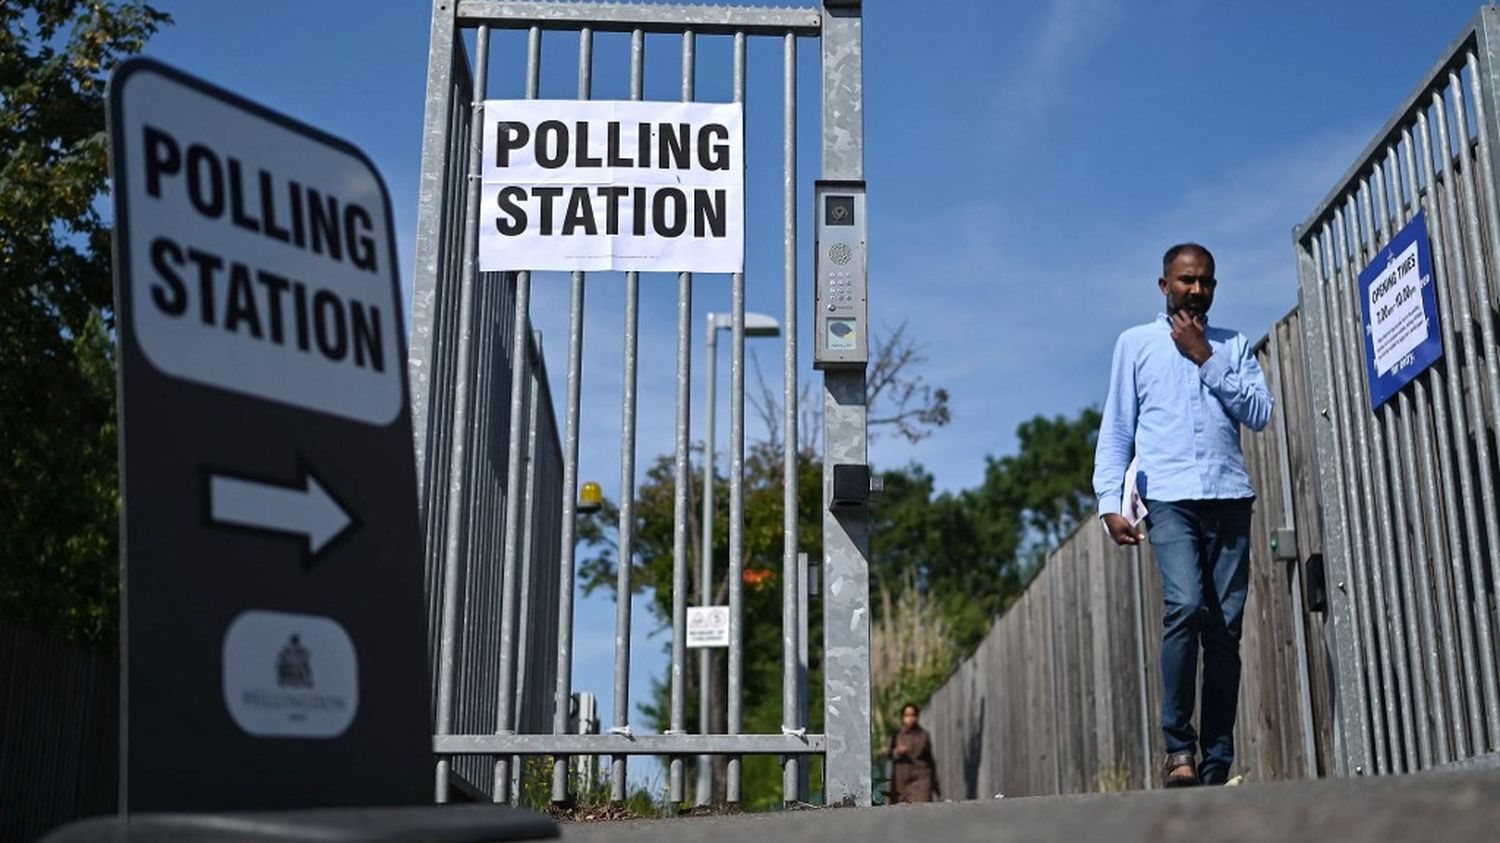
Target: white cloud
{"points": [[1069, 29]]}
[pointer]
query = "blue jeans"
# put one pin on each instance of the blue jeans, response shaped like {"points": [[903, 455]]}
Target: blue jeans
{"points": [[1202, 548]]}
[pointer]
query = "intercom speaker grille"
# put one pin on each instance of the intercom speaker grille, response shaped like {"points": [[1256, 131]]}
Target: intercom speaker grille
{"points": [[840, 253]]}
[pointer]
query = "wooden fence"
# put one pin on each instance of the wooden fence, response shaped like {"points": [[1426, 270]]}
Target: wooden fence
{"points": [[1063, 694], [59, 732]]}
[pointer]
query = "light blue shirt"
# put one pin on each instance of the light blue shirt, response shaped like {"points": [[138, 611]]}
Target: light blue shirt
{"points": [[1181, 419]]}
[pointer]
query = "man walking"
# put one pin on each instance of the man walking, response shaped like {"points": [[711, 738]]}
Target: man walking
{"points": [[1179, 390]]}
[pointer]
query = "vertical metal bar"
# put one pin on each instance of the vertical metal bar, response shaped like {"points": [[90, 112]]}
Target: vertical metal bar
{"points": [[1372, 464], [1446, 540], [432, 204], [804, 589], [452, 549], [534, 351], [736, 485], [1451, 428], [1382, 429], [570, 479], [1403, 602], [489, 504], [474, 539], [1491, 371], [1289, 521], [792, 607], [1385, 611], [443, 297], [627, 474], [1427, 512], [846, 534], [681, 477], [526, 572], [1484, 100], [706, 558], [1349, 409], [1372, 467], [515, 526], [1350, 727], [505, 716], [1476, 638]]}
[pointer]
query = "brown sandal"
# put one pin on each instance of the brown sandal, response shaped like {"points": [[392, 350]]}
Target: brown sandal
{"points": [[1180, 770]]}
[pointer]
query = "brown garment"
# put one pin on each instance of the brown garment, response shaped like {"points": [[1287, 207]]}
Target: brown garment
{"points": [[913, 771]]}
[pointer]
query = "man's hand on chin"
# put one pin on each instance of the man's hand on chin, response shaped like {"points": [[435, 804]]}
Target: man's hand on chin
{"points": [[1187, 333]]}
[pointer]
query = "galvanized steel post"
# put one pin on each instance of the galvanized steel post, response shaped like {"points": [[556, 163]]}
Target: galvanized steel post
{"points": [[525, 598], [1351, 725], [1289, 521], [623, 593], [794, 577], [564, 690], [681, 476], [520, 354], [452, 545], [846, 534], [1447, 556], [706, 557], [736, 484]]}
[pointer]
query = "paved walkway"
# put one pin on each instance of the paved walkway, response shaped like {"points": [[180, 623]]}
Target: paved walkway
{"points": [[1430, 808]]}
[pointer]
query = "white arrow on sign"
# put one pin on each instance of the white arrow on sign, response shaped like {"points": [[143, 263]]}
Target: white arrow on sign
{"points": [[309, 511]]}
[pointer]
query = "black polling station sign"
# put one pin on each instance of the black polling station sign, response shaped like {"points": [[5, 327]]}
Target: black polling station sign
{"points": [[273, 625]]}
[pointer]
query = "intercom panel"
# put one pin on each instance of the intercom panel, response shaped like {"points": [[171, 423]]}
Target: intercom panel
{"points": [[841, 315]]}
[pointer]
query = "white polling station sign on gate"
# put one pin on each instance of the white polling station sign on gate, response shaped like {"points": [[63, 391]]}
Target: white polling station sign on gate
{"points": [[612, 185]]}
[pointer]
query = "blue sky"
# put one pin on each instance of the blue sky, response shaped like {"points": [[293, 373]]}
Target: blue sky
{"points": [[1027, 164]]}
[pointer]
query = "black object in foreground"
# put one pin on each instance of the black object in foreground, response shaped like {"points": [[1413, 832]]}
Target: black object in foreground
{"points": [[422, 824]]}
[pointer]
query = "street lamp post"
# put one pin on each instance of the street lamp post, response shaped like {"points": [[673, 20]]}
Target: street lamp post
{"points": [[756, 325]]}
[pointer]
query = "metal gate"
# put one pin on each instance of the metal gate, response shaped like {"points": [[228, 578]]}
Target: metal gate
{"points": [[486, 515], [1409, 495]]}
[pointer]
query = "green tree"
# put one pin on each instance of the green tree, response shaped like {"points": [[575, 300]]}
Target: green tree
{"points": [[58, 472], [652, 570], [942, 565], [968, 554], [1048, 482], [958, 548]]}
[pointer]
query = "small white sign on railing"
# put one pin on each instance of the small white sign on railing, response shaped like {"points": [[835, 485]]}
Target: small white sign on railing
{"points": [[708, 626]]}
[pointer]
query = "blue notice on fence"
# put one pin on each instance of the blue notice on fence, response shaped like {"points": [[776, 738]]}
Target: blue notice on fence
{"points": [[1400, 311]]}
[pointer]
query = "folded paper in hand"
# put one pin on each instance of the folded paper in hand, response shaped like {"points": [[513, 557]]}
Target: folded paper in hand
{"points": [[1132, 505]]}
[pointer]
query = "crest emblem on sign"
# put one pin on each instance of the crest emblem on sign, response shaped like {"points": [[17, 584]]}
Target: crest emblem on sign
{"points": [[294, 665]]}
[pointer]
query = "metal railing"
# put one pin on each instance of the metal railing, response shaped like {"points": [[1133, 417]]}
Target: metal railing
{"points": [[485, 464], [1408, 492], [467, 324], [1407, 510]]}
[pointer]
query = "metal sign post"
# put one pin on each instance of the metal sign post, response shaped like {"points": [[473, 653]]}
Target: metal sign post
{"points": [[846, 529], [272, 641]]}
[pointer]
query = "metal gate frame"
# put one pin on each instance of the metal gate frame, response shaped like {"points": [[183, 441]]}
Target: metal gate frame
{"points": [[1408, 494], [450, 348]]}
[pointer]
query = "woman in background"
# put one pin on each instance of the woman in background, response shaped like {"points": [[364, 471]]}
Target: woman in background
{"points": [[914, 773]]}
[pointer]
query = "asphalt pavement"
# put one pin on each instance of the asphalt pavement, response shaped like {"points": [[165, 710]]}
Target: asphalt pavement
{"points": [[1437, 807]]}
